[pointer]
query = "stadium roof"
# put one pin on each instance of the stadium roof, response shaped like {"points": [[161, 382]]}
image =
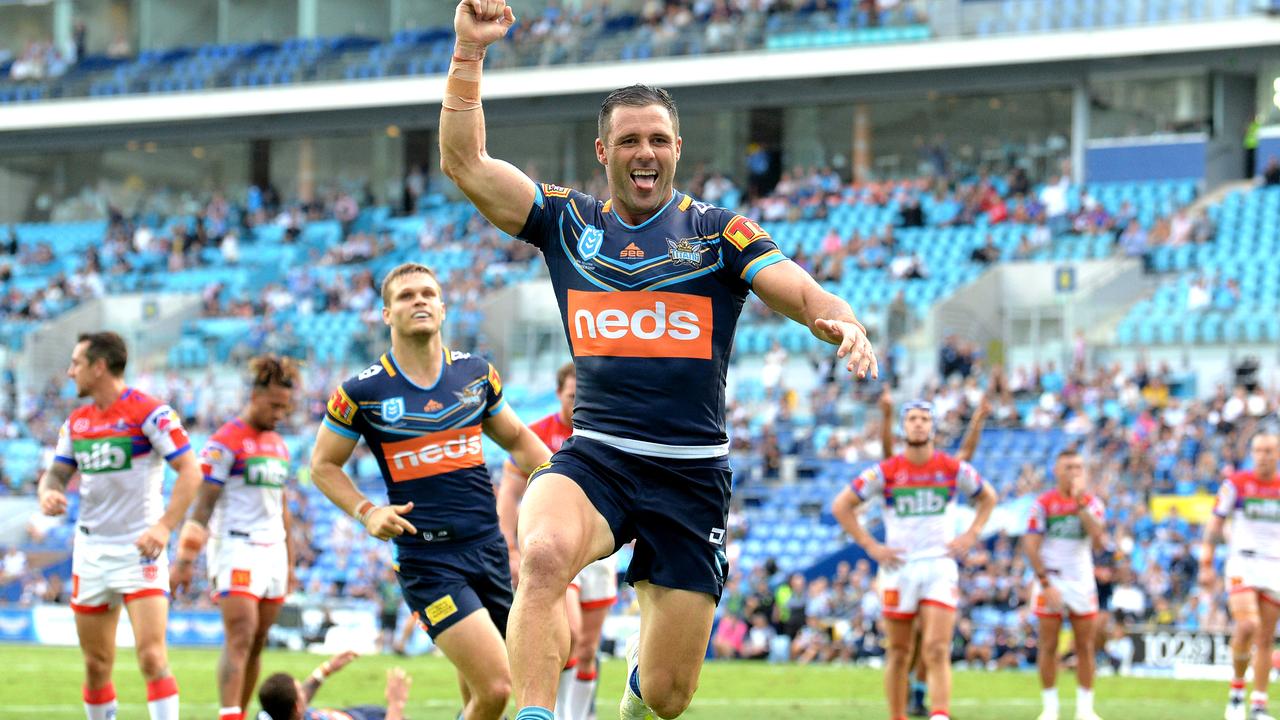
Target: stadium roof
{"points": [[738, 79]]}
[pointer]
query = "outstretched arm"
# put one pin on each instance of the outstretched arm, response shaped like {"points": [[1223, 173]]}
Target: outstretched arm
{"points": [[499, 191], [323, 671], [969, 445], [789, 290], [886, 423]]}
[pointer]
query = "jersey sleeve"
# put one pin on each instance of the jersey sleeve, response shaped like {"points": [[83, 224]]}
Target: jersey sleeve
{"points": [[1036, 519], [870, 483], [549, 201], [342, 413], [1097, 509], [968, 481], [62, 449], [216, 461], [1226, 500], [164, 430], [747, 248], [494, 401]]}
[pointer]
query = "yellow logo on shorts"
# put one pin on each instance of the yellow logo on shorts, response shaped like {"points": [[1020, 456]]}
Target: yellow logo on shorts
{"points": [[441, 609]]}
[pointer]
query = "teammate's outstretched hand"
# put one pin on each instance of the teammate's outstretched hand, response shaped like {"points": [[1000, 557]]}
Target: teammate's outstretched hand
{"points": [[53, 502], [984, 408], [339, 661], [482, 22], [152, 541], [385, 522], [398, 682], [886, 401], [854, 345], [885, 556], [962, 543]]}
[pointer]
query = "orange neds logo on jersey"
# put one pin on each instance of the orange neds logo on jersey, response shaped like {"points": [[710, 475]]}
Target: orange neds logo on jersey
{"points": [[646, 324], [434, 453]]}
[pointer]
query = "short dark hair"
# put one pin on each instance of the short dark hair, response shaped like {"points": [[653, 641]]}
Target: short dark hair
{"points": [[268, 370], [636, 96], [565, 372], [106, 346], [1066, 453], [400, 271], [278, 696]]}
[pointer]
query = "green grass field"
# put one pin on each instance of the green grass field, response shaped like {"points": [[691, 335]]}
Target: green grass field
{"points": [[44, 683]]}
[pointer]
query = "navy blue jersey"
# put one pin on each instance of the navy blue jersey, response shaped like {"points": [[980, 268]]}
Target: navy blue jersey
{"points": [[649, 311], [427, 443], [363, 712]]}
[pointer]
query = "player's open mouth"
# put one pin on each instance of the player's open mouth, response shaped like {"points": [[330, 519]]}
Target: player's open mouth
{"points": [[420, 316], [645, 179]]}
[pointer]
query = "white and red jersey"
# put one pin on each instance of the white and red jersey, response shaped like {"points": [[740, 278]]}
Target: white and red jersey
{"points": [[917, 500], [120, 453], [552, 430], [1067, 549], [252, 467], [1253, 505]]}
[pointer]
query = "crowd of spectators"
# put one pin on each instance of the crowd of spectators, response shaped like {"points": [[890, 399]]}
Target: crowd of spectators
{"points": [[1145, 433], [595, 32]]}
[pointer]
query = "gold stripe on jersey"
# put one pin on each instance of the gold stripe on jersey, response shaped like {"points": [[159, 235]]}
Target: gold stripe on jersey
{"points": [[685, 203], [747, 270], [386, 364]]}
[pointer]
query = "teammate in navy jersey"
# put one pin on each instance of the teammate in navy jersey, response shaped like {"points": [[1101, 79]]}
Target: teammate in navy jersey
{"points": [[650, 284], [421, 409], [283, 697]]}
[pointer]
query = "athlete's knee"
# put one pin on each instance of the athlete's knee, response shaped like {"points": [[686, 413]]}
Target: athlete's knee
{"points": [[1246, 627], [1086, 644], [898, 652], [153, 661], [667, 694], [935, 652], [492, 695], [97, 665], [546, 562], [239, 636]]}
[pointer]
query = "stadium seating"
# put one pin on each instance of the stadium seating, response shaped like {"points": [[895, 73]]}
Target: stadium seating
{"points": [[1248, 228], [619, 36]]}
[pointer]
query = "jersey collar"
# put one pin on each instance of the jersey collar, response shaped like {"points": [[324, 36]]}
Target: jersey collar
{"points": [[674, 194]]}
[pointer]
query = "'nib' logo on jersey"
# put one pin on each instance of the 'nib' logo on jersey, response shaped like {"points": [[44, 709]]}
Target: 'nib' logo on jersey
{"points": [[104, 455], [916, 501]]}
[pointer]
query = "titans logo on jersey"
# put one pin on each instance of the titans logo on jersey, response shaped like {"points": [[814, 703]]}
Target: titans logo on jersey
{"points": [[649, 311], [427, 442]]}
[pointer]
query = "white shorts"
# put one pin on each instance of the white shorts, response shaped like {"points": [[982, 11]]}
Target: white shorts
{"points": [[1079, 598], [598, 584], [248, 569], [1259, 574], [103, 575], [928, 581]]}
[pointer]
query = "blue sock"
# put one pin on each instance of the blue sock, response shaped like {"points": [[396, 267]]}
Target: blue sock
{"points": [[535, 713], [634, 681]]}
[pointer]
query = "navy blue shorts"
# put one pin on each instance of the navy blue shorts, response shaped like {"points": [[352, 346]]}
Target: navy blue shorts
{"points": [[675, 510], [444, 586]]}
